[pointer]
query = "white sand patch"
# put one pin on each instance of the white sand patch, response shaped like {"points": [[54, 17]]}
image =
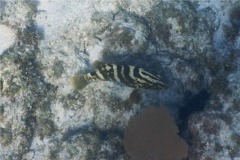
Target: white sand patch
{"points": [[65, 117], [95, 53], [39, 150], [8, 37], [59, 16]]}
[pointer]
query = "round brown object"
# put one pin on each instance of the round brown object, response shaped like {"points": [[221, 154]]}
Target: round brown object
{"points": [[152, 135]]}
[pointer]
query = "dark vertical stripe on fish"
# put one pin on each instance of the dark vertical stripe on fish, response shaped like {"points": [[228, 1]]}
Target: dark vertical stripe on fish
{"points": [[153, 78], [124, 74], [110, 72], [129, 79], [119, 70], [139, 77], [150, 75]]}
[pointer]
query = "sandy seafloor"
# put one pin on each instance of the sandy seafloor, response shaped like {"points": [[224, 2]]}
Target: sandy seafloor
{"points": [[193, 44]]}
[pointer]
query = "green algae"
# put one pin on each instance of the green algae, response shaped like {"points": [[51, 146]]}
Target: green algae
{"points": [[1, 84], [231, 30], [46, 127], [73, 151], [54, 153], [5, 136], [93, 141], [74, 100], [58, 68], [12, 89], [1, 110]]}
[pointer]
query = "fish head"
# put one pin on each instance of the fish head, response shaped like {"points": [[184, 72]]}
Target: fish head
{"points": [[97, 64]]}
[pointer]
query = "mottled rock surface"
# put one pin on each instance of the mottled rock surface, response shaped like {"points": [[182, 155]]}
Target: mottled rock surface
{"points": [[193, 45]]}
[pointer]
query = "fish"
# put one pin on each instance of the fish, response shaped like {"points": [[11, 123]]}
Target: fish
{"points": [[132, 76]]}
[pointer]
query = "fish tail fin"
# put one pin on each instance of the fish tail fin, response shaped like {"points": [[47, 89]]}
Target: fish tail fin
{"points": [[79, 81]]}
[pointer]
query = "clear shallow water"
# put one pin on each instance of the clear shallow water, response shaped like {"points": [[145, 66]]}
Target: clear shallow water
{"points": [[192, 45]]}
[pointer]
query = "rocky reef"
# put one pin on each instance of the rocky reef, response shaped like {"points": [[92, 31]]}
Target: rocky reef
{"points": [[192, 45]]}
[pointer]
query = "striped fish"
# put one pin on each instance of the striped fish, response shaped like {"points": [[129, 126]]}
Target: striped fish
{"points": [[131, 76]]}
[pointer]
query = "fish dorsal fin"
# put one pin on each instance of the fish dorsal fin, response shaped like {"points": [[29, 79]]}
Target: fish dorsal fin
{"points": [[97, 64]]}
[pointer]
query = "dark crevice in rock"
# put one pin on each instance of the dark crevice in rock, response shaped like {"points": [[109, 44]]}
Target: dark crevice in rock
{"points": [[193, 103]]}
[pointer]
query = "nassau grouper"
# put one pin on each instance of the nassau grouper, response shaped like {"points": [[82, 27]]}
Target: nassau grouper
{"points": [[131, 76]]}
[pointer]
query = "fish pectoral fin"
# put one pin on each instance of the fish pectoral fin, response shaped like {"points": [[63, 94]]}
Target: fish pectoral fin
{"points": [[79, 81], [134, 97]]}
